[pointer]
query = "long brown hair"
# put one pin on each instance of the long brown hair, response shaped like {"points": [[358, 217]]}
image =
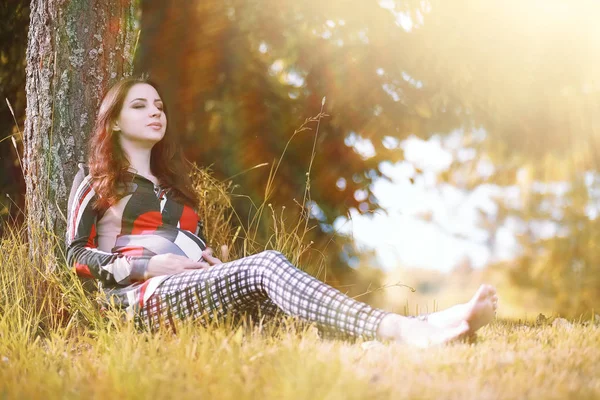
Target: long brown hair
{"points": [[109, 165]]}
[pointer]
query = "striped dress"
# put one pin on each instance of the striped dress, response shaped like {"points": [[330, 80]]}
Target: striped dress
{"points": [[112, 247]]}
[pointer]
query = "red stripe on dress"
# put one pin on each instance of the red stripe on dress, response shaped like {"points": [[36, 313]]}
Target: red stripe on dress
{"points": [[142, 291], [132, 251], [92, 238], [83, 270], [147, 223], [189, 219]]}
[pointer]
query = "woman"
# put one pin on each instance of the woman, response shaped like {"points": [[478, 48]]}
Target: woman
{"points": [[133, 229]]}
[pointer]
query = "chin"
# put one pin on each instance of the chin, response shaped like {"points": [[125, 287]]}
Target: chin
{"points": [[155, 136]]}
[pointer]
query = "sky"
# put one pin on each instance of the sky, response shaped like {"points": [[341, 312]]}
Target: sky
{"points": [[431, 224], [428, 224]]}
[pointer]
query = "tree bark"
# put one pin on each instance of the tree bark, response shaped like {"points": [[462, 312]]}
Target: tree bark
{"points": [[75, 50]]}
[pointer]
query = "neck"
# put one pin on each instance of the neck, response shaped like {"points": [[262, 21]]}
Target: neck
{"points": [[138, 157]]}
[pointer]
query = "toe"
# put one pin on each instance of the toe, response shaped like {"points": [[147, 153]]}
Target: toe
{"points": [[481, 293]]}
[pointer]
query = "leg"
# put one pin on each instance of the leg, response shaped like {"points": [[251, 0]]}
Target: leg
{"points": [[192, 295], [268, 281]]}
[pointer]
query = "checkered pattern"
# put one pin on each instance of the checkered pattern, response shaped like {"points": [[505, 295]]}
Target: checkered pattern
{"points": [[259, 285]]}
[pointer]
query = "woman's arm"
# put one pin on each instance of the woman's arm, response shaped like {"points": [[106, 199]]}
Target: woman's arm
{"points": [[82, 252]]}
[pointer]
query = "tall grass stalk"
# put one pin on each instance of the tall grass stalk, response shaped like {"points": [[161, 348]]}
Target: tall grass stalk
{"points": [[217, 211]]}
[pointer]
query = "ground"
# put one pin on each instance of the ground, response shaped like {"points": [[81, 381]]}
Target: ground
{"points": [[509, 360]]}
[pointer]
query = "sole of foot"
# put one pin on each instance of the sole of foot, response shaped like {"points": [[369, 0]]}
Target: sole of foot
{"points": [[481, 309], [478, 311]]}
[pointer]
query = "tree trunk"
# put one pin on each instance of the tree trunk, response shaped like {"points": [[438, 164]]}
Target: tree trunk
{"points": [[75, 50]]}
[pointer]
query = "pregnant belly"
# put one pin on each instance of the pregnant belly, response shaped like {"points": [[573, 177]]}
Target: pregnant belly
{"points": [[178, 242]]}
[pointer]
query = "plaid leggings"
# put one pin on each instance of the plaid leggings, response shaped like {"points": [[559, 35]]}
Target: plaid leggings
{"points": [[259, 285]]}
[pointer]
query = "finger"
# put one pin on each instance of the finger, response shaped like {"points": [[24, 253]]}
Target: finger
{"points": [[178, 258], [225, 252], [207, 253], [191, 264], [211, 260], [204, 265]]}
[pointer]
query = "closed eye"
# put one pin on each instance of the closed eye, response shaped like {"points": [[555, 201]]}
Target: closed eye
{"points": [[137, 106]]}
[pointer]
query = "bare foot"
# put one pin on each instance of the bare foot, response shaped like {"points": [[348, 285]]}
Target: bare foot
{"points": [[478, 312], [419, 333]]}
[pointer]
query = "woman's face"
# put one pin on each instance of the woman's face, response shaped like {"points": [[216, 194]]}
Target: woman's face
{"points": [[142, 121]]}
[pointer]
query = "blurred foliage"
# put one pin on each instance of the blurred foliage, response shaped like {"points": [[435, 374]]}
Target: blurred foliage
{"points": [[240, 76], [14, 15], [525, 71], [565, 264], [254, 70]]}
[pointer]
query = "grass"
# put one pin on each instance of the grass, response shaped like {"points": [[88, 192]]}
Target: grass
{"points": [[509, 361], [54, 342]]}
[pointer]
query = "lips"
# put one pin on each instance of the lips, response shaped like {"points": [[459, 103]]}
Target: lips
{"points": [[156, 125]]}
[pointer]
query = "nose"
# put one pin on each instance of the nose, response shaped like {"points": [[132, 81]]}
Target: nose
{"points": [[155, 111]]}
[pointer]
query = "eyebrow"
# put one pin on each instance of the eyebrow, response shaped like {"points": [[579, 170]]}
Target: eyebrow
{"points": [[139, 98]]}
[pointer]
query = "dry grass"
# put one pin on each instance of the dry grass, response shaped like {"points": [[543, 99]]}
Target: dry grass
{"points": [[509, 361], [46, 352], [55, 344]]}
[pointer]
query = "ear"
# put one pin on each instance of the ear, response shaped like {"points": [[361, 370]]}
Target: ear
{"points": [[115, 127]]}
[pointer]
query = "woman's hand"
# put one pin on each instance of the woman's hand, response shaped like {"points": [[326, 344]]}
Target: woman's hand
{"points": [[169, 264], [209, 259]]}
